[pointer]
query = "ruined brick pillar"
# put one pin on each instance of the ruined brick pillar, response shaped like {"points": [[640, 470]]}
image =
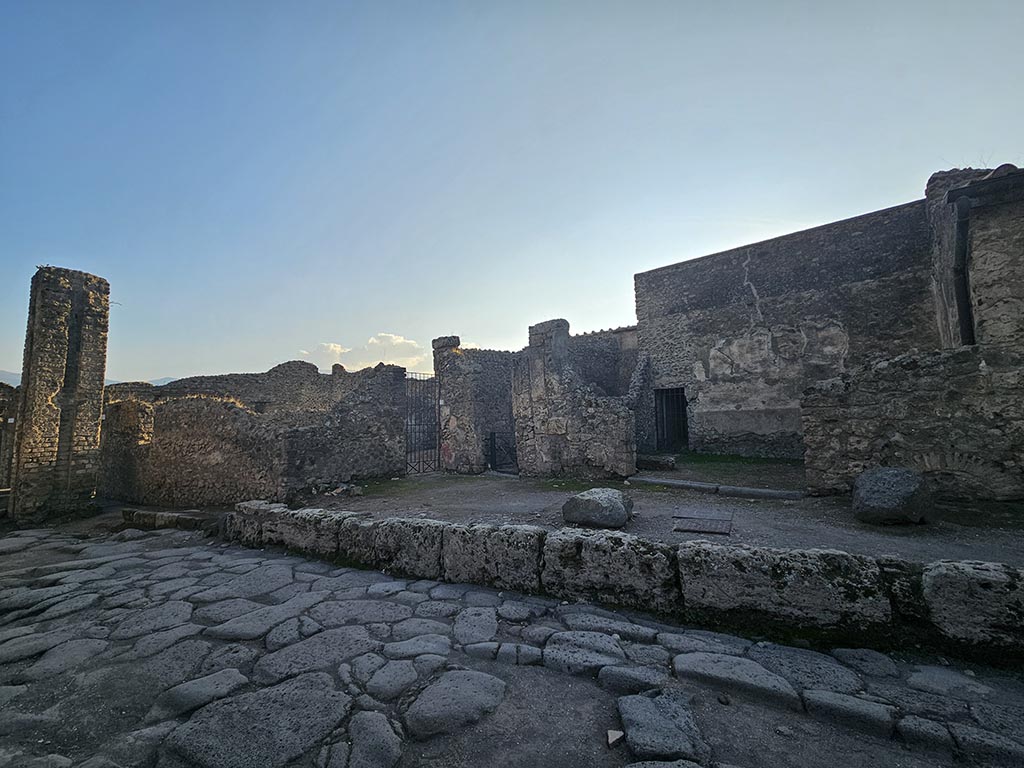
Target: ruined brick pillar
{"points": [[57, 429]]}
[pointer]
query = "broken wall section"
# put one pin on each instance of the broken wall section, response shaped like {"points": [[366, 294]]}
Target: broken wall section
{"points": [[745, 331], [57, 427], [288, 432], [956, 415], [8, 412], [565, 426], [475, 400]]}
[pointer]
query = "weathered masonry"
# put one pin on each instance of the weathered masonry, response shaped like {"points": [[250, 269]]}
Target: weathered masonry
{"points": [[55, 456], [276, 435]]}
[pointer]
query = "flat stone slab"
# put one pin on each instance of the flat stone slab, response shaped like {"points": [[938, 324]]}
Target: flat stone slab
{"points": [[194, 694], [457, 699], [476, 625], [391, 679], [338, 613], [582, 652], [735, 673], [374, 743], [662, 727], [324, 650], [631, 679], [437, 645], [257, 623], [868, 716], [62, 658], [170, 614], [806, 669], [264, 729], [260, 581]]}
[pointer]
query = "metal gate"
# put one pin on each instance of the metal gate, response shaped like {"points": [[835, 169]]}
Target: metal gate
{"points": [[501, 452], [421, 423], [670, 418]]}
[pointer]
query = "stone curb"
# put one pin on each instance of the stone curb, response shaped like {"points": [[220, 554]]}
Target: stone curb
{"points": [[737, 491], [969, 608]]}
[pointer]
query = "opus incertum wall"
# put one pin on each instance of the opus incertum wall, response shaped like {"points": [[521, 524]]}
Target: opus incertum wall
{"points": [[57, 429], [825, 595]]}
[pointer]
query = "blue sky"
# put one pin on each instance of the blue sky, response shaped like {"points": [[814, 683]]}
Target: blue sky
{"points": [[262, 179]]}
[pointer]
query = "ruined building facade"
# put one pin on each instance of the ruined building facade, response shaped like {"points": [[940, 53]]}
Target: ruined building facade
{"points": [[893, 338]]}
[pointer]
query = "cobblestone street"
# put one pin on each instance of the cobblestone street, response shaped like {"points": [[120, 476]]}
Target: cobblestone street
{"points": [[170, 649]]}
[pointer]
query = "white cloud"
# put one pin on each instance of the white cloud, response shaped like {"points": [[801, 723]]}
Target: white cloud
{"points": [[379, 348]]}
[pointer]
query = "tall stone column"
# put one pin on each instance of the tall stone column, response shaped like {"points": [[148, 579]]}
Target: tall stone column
{"points": [[57, 430]]}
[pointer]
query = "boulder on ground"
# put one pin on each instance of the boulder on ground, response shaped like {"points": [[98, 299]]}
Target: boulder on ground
{"points": [[598, 508], [890, 495]]}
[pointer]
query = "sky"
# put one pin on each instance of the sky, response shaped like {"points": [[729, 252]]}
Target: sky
{"points": [[344, 181]]}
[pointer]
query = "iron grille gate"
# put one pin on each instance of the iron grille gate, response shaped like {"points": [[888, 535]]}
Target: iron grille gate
{"points": [[421, 423], [670, 419]]}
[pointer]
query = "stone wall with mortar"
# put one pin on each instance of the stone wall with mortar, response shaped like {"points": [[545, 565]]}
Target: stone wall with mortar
{"points": [[746, 330], [57, 427], [942, 221], [605, 358], [8, 414], [281, 434], [475, 399], [827, 596], [957, 415], [565, 426]]}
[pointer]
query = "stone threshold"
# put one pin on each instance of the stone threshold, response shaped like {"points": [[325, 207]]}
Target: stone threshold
{"points": [[738, 491]]}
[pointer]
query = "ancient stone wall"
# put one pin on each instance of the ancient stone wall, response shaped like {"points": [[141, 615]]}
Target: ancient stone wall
{"points": [[8, 413], [744, 331], [605, 358], [475, 396], [957, 415], [287, 432], [942, 221], [57, 428], [997, 273], [565, 426]]}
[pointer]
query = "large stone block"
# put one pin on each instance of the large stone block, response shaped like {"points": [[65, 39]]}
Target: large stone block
{"points": [[890, 495], [507, 556], [598, 508], [976, 603], [356, 542], [314, 531], [409, 547], [813, 588], [245, 524], [611, 567]]}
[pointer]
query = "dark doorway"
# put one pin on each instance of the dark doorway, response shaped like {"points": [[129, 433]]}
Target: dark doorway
{"points": [[670, 417]]}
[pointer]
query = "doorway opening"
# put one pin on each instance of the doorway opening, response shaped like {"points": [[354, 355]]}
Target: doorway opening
{"points": [[670, 418]]}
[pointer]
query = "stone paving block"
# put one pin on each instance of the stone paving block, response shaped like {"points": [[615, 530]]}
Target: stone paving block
{"points": [[487, 650], [815, 588], [853, 712], [519, 654], [662, 727], [335, 613], [919, 731], [321, 651], [946, 682], [391, 679], [735, 673], [631, 679], [409, 547], [806, 669], [585, 622], [979, 744], [867, 661], [692, 641], [611, 567], [374, 742], [475, 625], [976, 603], [61, 658], [582, 652], [438, 645], [257, 623], [264, 729], [457, 699], [194, 694]]}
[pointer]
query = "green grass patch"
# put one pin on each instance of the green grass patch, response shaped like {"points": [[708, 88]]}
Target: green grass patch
{"points": [[694, 458]]}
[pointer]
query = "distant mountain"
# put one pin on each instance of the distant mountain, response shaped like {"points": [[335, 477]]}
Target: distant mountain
{"points": [[14, 379]]}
